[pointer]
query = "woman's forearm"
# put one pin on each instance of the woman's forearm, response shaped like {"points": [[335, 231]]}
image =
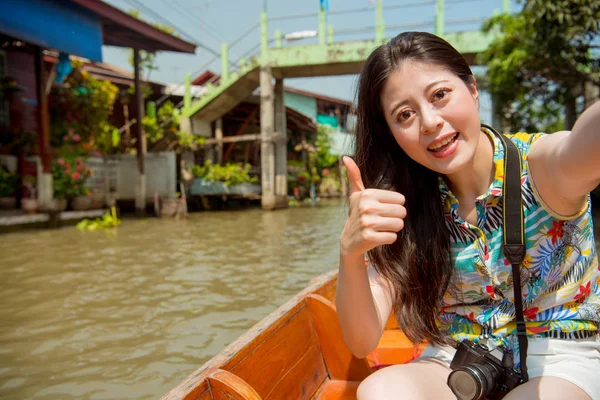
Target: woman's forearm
{"points": [[356, 307]]}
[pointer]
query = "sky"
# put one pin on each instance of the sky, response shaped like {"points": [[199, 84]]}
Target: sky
{"points": [[212, 22]]}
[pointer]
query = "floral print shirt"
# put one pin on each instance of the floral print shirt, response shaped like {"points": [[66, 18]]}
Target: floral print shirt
{"points": [[560, 275]]}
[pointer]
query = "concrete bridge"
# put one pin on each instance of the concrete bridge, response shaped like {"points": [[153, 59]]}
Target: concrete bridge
{"points": [[325, 58]]}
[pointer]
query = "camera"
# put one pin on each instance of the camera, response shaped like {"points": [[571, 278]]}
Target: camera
{"points": [[480, 372]]}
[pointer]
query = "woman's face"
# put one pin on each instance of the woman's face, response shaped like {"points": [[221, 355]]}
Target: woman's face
{"points": [[433, 115]]}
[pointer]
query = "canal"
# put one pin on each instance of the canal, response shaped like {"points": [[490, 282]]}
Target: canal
{"points": [[127, 314]]}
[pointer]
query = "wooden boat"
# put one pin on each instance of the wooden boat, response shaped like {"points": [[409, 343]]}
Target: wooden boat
{"points": [[295, 353]]}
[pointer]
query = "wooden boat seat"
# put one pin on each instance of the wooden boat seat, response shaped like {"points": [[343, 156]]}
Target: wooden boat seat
{"points": [[337, 390], [393, 348]]}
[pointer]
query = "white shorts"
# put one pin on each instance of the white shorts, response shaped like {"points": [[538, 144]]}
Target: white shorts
{"points": [[577, 361]]}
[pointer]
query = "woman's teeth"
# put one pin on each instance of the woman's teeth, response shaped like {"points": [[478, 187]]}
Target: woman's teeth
{"points": [[443, 143]]}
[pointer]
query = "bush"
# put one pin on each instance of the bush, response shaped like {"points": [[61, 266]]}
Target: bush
{"points": [[8, 182]]}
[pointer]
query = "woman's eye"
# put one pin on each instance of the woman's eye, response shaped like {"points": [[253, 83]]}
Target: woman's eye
{"points": [[404, 115], [440, 94]]}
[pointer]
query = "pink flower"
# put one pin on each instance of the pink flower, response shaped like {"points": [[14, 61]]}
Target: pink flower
{"points": [[79, 168], [76, 138], [70, 131], [76, 175], [326, 172], [61, 161]]}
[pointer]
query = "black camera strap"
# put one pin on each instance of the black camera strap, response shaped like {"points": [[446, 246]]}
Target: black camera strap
{"points": [[514, 234]]}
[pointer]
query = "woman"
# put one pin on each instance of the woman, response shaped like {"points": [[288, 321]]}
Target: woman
{"points": [[425, 207]]}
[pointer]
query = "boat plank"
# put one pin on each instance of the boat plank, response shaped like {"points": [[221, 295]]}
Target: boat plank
{"points": [[338, 390], [287, 364], [227, 386], [340, 363]]}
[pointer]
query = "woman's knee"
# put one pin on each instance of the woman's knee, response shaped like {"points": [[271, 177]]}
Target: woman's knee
{"points": [[409, 381]]}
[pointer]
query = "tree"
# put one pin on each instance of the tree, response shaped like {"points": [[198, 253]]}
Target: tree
{"points": [[542, 61]]}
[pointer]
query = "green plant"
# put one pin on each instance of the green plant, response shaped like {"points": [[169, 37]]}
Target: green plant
{"points": [[323, 157], [108, 138], [109, 220], [229, 174], [537, 66], [80, 111], [189, 140], [8, 182]]}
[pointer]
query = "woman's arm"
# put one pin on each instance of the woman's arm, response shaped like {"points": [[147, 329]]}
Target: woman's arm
{"points": [[364, 299], [565, 166], [364, 305]]}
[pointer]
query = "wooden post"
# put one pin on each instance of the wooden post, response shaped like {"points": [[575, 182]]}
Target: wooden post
{"points": [[281, 146], [267, 153], [590, 94], [140, 194], [46, 193], [219, 137]]}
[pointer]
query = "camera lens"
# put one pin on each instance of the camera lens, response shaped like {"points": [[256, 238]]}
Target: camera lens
{"points": [[474, 381]]}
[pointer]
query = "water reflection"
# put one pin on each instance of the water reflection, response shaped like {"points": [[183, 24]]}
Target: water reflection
{"points": [[130, 314]]}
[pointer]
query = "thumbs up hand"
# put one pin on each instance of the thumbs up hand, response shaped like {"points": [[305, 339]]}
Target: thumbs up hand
{"points": [[376, 215]]}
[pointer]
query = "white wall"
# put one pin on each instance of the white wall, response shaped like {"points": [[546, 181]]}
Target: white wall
{"points": [[119, 173]]}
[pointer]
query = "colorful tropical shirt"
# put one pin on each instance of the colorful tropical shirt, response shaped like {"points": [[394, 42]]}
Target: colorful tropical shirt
{"points": [[560, 275]]}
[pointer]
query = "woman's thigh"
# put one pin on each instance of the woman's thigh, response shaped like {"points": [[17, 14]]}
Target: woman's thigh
{"points": [[547, 388], [414, 381]]}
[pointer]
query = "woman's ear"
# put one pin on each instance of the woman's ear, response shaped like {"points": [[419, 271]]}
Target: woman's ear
{"points": [[473, 88]]}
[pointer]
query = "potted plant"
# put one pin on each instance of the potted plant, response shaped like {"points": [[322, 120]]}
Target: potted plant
{"points": [[8, 185], [81, 199], [63, 184], [30, 204], [231, 178]]}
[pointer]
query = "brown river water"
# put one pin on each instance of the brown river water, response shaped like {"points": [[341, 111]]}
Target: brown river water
{"points": [[129, 313]]}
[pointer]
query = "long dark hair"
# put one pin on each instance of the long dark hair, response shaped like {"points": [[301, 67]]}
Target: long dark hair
{"points": [[418, 264]]}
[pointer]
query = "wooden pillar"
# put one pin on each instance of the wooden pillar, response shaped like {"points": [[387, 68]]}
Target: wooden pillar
{"points": [[280, 146], [267, 154], [591, 94], [219, 137], [140, 193], [46, 193]]}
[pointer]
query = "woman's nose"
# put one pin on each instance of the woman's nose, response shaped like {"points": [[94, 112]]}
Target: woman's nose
{"points": [[431, 121]]}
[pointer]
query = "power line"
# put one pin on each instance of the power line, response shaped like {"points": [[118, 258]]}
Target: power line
{"points": [[188, 15], [136, 3], [200, 20], [148, 10]]}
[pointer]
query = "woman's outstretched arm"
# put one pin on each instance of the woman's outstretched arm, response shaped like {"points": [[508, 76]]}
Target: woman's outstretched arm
{"points": [[566, 165]]}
